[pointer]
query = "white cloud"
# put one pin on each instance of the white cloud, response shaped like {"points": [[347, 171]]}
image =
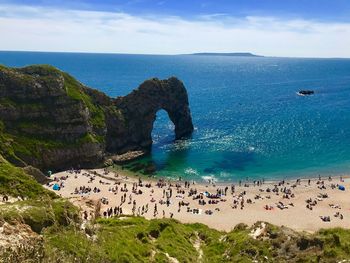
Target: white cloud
{"points": [[45, 29]]}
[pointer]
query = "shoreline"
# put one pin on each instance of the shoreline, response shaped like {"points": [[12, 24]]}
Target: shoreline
{"points": [[223, 183], [247, 203]]}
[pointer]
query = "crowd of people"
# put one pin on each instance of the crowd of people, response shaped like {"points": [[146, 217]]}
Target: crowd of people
{"points": [[187, 195]]}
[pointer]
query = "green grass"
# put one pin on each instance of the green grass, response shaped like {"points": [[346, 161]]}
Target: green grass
{"points": [[71, 245], [131, 239], [337, 242], [89, 138], [75, 92], [65, 212], [40, 213], [40, 207], [27, 106], [174, 238], [134, 239], [17, 143], [20, 146], [242, 247], [15, 182], [41, 69], [30, 146]]}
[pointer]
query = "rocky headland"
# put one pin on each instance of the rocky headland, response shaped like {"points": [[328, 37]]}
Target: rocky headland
{"points": [[50, 120]]}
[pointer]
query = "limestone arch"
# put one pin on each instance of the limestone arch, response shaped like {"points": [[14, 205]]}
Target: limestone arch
{"points": [[141, 106]]}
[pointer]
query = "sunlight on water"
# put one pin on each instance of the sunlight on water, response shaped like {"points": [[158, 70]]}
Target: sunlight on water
{"points": [[249, 121]]}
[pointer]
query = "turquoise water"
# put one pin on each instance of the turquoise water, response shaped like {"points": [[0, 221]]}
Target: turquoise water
{"points": [[248, 120]]}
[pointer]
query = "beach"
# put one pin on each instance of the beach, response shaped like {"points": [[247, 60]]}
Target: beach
{"points": [[303, 205]]}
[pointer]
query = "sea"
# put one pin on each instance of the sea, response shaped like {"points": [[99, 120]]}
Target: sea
{"points": [[250, 123]]}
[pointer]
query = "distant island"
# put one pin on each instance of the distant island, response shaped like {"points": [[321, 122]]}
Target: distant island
{"points": [[236, 54]]}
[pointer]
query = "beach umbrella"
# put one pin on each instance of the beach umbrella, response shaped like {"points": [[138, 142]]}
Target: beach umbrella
{"points": [[341, 187], [56, 187], [49, 173]]}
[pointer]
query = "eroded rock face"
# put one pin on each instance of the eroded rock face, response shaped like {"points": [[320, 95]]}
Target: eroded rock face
{"points": [[139, 109], [18, 243], [45, 121], [51, 121]]}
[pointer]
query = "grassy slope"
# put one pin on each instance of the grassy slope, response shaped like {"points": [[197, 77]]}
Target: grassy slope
{"points": [[134, 239], [38, 206], [15, 182], [140, 240]]}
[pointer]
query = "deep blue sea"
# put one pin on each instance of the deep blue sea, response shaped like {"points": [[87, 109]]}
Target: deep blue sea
{"points": [[249, 121]]}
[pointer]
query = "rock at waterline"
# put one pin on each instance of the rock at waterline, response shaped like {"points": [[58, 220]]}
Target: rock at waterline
{"points": [[306, 92]]}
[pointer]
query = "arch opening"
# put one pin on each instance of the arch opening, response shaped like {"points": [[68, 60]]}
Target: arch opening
{"points": [[163, 129], [133, 132]]}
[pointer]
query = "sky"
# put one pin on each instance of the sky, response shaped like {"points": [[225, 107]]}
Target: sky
{"points": [[288, 28]]}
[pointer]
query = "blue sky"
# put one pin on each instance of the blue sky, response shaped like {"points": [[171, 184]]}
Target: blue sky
{"points": [[329, 10], [300, 28]]}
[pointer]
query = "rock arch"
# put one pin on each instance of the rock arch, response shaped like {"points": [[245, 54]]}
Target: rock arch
{"points": [[73, 125], [140, 107]]}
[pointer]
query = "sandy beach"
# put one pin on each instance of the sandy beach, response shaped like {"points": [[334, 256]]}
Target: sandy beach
{"points": [[301, 205]]}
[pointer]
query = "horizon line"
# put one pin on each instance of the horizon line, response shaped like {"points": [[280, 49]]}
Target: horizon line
{"points": [[179, 54]]}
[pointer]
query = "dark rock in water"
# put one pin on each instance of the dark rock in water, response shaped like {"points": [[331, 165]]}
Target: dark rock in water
{"points": [[306, 92], [51, 121], [127, 157], [150, 169], [137, 167]]}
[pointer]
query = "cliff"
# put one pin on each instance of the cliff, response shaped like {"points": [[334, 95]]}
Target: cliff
{"points": [[51, 121]]}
